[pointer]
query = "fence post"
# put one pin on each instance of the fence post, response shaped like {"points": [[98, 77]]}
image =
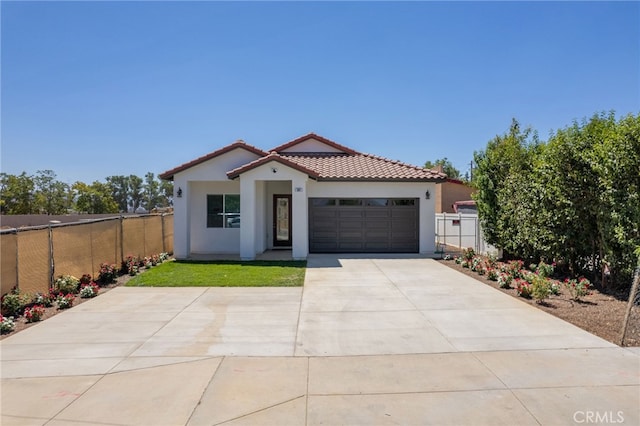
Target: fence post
{"points": [[17, 261], [164, 249], [460, 230], [121, 238], [52, 266], [632, 299], [444, 229]]}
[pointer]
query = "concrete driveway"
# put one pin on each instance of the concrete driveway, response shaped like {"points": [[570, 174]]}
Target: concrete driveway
{"points": [[384, 340]]}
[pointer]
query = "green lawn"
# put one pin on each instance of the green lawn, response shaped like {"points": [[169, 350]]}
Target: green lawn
{"points": [[223, 274]]}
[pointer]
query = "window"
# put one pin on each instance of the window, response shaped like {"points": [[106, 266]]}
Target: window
{"points": [[223, 211]]}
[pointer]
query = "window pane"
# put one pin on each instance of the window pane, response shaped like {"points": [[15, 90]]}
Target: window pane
{"points": [[232, 203], [377, 202], [214, 211], [404, 202], [323, 202], [350, 202]]}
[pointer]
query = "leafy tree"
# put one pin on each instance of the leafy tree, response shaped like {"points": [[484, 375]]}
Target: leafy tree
{"points": [[16, 194], [166, 191], [151, 191], [504, 156], [135, 191], [95, 198], [50, 194], [447, 167], [119, 187]]}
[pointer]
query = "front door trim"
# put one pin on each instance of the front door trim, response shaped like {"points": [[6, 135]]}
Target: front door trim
{"points": [[281, 235]]}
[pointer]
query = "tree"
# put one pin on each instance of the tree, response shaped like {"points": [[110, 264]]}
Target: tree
{"points": [[51, 194], [119, 187], [166, 191], [151, 191], [447, 167], [16, 194], [503, 157], [95, 198], [135, 191]]}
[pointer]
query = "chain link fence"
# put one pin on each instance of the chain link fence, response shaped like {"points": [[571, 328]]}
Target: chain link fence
{"points": [[32, 257]]}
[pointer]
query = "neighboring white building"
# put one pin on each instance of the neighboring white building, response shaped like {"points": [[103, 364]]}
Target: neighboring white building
{"points": [[308, 195]]}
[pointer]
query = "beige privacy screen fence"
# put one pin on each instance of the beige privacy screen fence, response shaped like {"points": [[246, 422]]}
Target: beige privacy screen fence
{"points": [[32, 257]]}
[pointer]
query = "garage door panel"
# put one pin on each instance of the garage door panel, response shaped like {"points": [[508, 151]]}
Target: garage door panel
{"points": [[386, 225]]}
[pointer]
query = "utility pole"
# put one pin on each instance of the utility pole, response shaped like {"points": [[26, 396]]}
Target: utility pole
{"points": [[471, 170]]}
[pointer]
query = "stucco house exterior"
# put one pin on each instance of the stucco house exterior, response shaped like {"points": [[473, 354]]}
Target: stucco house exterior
{"points": [[307, 195]]}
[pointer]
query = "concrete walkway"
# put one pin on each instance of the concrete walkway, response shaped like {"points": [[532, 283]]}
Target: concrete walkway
{"points": [[386, 340]]}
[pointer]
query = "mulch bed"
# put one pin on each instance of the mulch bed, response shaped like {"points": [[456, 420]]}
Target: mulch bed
{"points": [[598, 313]]}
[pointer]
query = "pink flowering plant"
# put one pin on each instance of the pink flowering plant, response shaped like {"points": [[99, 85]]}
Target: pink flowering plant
{"points": [[577, 287], [107, 273], [523, 288], [89, 290], [504, 280], [65, 301], [34, 313]]}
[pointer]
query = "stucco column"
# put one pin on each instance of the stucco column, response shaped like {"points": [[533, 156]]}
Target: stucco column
{"points": [[427, 221], [300, 219], [248, 213], [181, 219]]}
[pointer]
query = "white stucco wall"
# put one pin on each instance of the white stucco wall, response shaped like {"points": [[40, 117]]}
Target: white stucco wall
{"points": [[254, 201], [211, 240], [387, 190], [190, 231], [311, 145]]}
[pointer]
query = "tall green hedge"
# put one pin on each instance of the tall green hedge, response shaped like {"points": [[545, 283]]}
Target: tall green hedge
{"points": [[574, 199]]}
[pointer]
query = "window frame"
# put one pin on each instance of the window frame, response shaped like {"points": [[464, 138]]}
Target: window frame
{"points": [[211, 217]]}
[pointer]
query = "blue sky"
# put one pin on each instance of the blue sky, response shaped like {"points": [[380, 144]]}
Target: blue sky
{"points": [[93, 89]]}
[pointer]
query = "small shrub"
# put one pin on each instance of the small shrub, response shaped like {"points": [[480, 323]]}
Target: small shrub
{"points": [[65, 301], [545, 270], [13, 303], [107, 273], [458, 259], [7, 325], [514, 267], [468, 253], [147, 262], [34, 313], [130, 264], [523, 288], [85, 279], [554, 286], [540, 288], [163, 257], [504, 280], [492, 274], [577, 288], [66, 284], [45, 300], [89, 290], [447, 257], [465, 264]]}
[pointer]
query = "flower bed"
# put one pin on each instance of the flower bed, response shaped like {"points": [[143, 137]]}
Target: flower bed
{"points": [[20, 311]]}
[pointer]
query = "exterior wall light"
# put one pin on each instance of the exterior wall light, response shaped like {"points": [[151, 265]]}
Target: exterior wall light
{"points": [[179, 193], [427, 195]]}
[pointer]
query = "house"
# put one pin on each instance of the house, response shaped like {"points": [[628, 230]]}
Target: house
{"points": [[450, 192], [308, 195]]}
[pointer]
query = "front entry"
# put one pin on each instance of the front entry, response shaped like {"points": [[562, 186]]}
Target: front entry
{"points": [[282, 220]]}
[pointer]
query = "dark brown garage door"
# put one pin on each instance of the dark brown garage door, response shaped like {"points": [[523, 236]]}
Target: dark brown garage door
{"points": [[363, 225]]}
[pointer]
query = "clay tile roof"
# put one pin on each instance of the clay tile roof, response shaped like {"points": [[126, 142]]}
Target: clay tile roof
{"points": [[364, 167], [168, 175], [273, 156]]}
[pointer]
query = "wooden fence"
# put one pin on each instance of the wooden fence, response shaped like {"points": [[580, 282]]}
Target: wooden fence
{"points": [[31, 258]]}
